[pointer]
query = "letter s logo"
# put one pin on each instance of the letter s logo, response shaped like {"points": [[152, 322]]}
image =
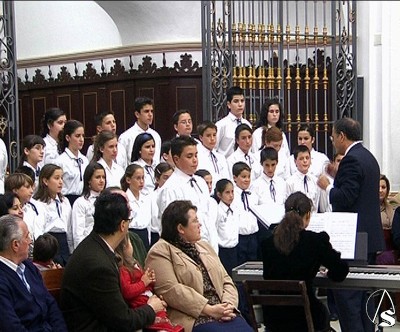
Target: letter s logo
{"points": [[387, 319]]}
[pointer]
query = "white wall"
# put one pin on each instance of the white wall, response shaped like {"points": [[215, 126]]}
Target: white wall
{"points": [[45, 28]]}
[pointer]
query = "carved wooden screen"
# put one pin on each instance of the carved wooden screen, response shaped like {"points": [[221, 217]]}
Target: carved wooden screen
{"points": [[299, 51], [82, 95]]}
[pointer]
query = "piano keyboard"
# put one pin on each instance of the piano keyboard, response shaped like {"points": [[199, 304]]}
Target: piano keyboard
{"points": [[360, 277]]}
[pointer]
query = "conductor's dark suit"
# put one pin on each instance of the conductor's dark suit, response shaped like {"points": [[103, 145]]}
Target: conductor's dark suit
{"points": [[91, 297], [356, 189]]}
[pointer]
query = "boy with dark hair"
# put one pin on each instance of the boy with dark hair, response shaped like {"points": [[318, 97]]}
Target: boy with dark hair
{"points": [[209, 158], [302, 180], [183, 184], [227, 125], [144, 112]]}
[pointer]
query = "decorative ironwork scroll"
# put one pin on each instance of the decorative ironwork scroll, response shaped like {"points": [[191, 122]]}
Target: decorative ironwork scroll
{"points": [[285, 49], [9, 119]]}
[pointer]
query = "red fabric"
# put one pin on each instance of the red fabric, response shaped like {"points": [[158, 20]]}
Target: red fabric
{"points": [[132, 287]]}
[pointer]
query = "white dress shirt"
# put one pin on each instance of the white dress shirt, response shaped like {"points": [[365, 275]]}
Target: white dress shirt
{"points": [[34, 216], [121, 159], [227, 225], [155, 212], [50, 151], [3, 164], [82, 217], [141, 210], [226, 133], [179, 187], [113, 174], [73, 178], [127, 138], [247, 220], [58, 219], [250, 159], [270, 193], [296, 182], [214, 162]]}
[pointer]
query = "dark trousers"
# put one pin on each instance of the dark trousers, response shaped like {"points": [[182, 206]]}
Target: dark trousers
{"points": [[154, 237], [228, 257], [247, 248], [144, 236], [63, 254], [352, 308]]}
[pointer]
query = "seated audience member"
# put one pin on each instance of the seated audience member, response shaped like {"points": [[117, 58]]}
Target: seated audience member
{"points": [[188, 269], [293, 253], [44, 251], [91, 297], [137, 285], [10, 204], [26, 304]]}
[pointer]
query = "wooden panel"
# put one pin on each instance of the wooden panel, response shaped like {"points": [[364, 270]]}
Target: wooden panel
{"points": [[89, 109], [38, 109], [186, 98], [64, 103], [118, 106]]}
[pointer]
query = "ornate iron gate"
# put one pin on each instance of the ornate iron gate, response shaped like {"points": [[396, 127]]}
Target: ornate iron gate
{"points": [[299, 51]]}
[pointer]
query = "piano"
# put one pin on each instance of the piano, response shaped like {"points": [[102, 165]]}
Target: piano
{"points": [[360, 277]]}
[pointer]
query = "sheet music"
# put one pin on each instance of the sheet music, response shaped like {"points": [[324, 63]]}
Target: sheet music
{"points": [[341, 228], [269, 213]]}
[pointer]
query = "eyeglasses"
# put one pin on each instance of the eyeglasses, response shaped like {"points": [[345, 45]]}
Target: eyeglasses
{"points": [[128, 220]]}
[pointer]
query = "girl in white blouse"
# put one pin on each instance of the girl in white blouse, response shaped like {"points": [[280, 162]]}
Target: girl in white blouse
{"points": [[105, 153], [143, 154], [32, 154], [57, 210], [94, 180], [52, 124], [72, 161], [133, 183]]}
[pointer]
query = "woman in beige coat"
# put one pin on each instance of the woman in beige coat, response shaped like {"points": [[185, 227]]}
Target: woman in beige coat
{"points": [[200, 294]]}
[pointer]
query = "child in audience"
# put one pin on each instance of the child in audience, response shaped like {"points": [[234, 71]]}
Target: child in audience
{"points": [[57, 210], [227, 224], [71, 160], [32, 154], [132, 183], [243, 143], [162, 172], [44, 251], [105, 152], [303, 180], [143, 154], [137, 285], [94, 181]]}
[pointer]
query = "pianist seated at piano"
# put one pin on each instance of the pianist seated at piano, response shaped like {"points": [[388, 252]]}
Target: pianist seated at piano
{"points": [[293, 253]]}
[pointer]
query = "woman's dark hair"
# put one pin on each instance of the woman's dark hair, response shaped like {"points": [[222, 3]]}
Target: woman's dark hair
{"points": [[87, 176], [137, 145], [42, 193], [100, 140], [69, 128], [220, 186], [6, 202], [263, 119], [49, 117], [202, 173], [176, 213], [29, 142], [308, 128], [287, 233], [238, 130], [129, 171], [45, 248]]}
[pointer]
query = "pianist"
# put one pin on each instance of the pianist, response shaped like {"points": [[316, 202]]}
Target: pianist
{"points": [[293, 253]]}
